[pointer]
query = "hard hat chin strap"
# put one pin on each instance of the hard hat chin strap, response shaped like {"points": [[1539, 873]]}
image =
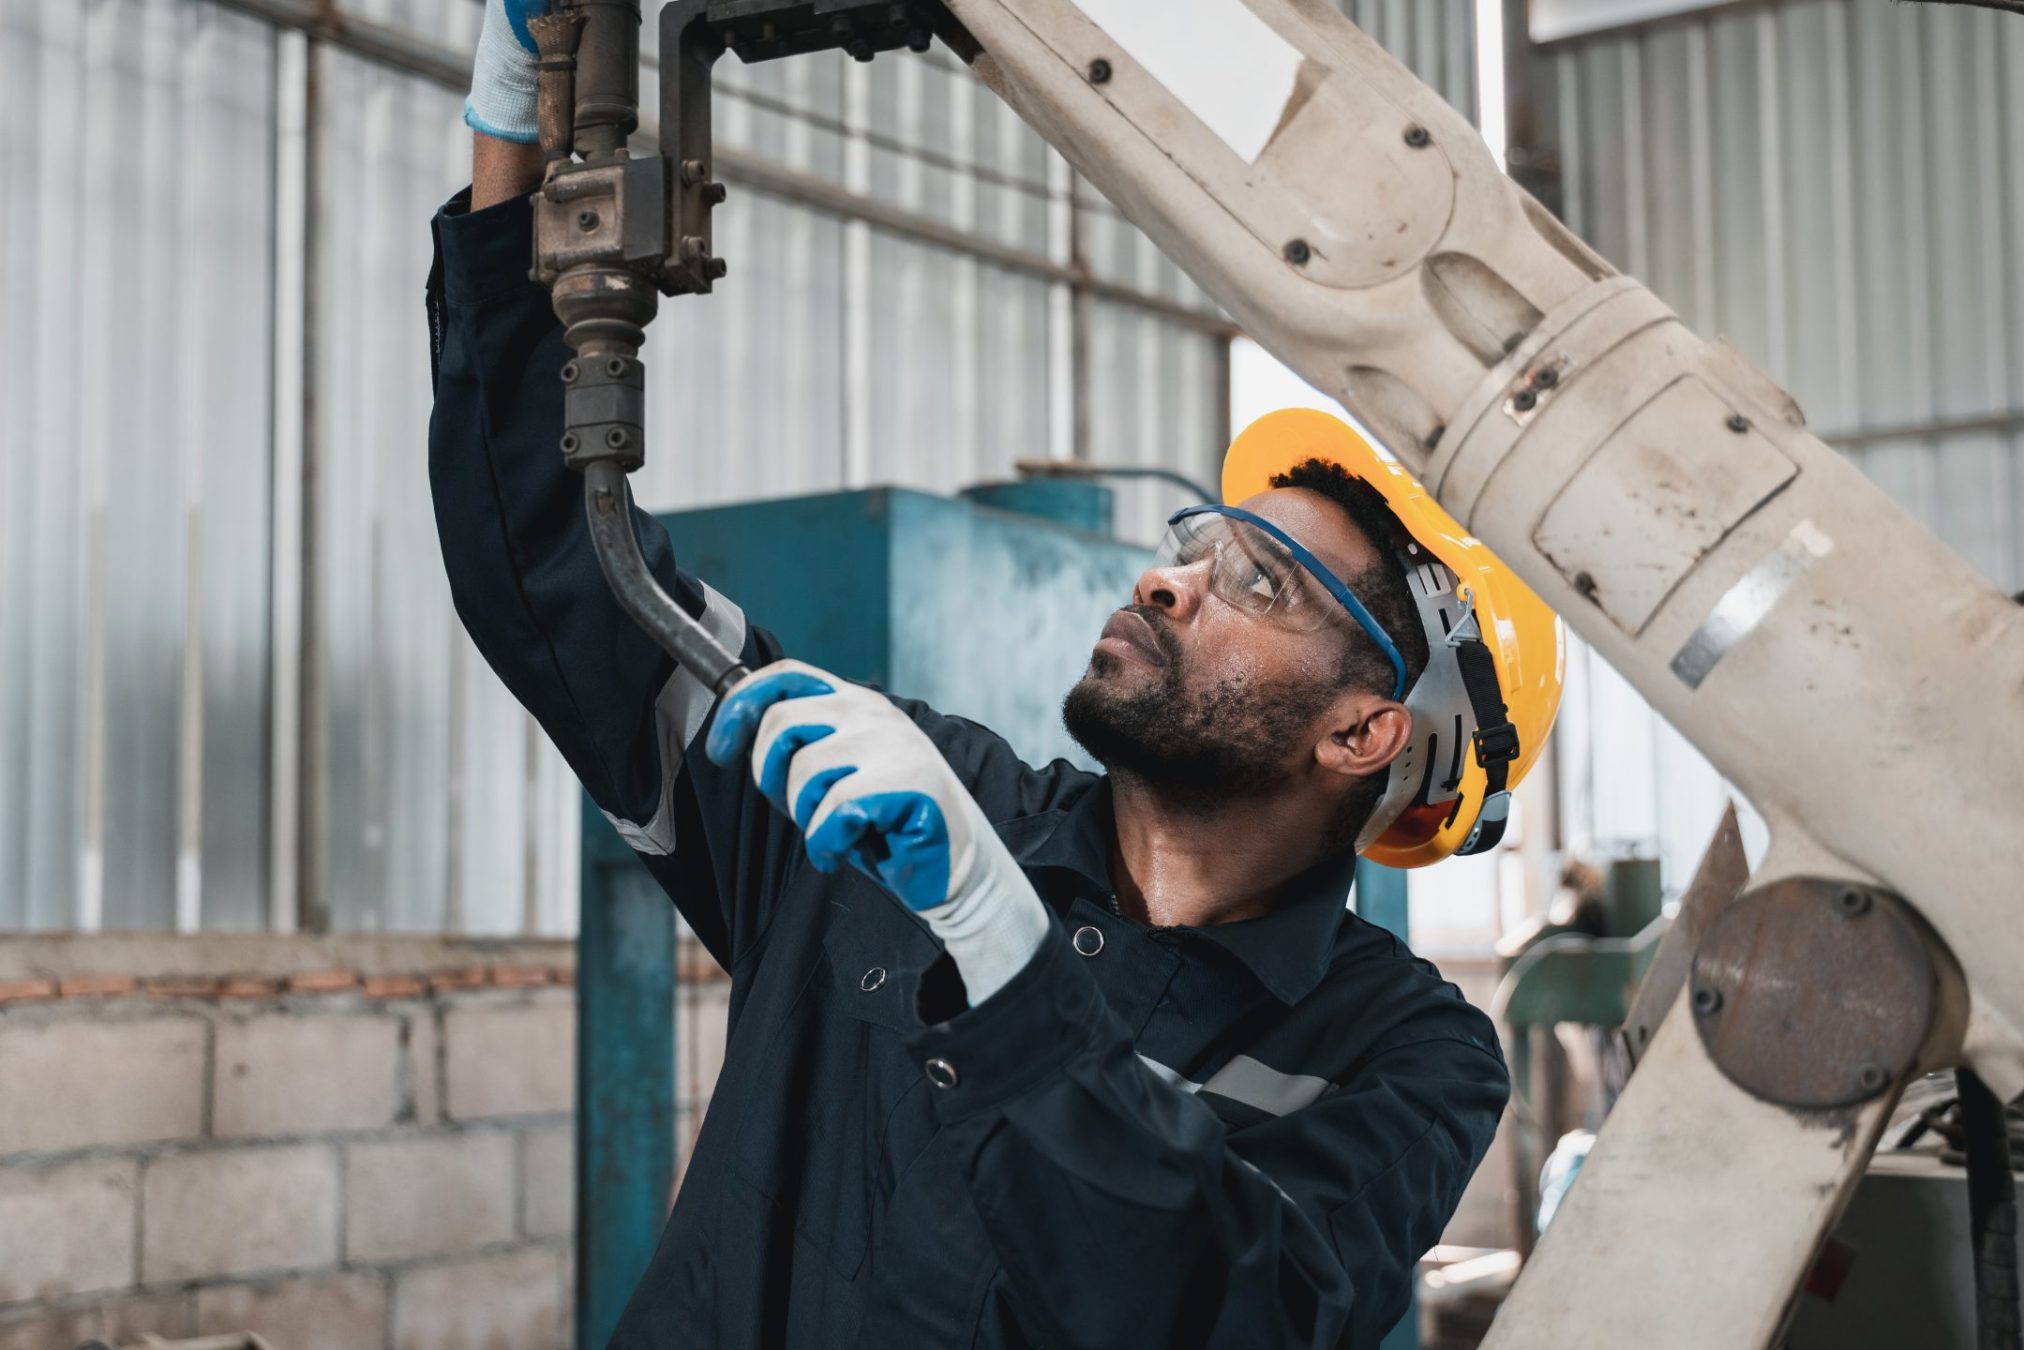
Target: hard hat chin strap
{"points": [[1496, 738]]}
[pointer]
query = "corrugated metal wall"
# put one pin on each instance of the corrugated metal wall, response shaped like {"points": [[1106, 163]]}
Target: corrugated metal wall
{"points": [[227, 657], [221, 615], [1836, 186]]}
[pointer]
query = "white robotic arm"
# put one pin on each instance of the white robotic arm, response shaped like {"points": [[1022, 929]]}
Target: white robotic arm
{"points": [[1856, 679]]}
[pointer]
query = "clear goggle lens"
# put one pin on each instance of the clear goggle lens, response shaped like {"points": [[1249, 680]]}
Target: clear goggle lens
{"points": [[1248, 569]]}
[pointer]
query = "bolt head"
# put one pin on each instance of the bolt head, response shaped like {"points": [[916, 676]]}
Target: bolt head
{"points": [[1524, 400], [615, 367], [570, 372], [570, 442], [1707, 1000], [1546, 378], [1852, 902], [694, 171], [1298, 253], [1738, 423], [1099, 71], [1418, 137], [615, 438], [586, 220]]}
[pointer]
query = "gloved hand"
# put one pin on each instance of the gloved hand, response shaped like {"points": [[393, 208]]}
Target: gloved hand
{"points": [[501, 102], [865, 785]]}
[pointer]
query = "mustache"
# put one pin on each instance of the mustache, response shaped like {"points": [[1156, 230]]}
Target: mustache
{"points": [[1162, 634]]}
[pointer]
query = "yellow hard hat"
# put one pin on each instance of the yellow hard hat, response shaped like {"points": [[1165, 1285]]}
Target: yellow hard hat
{"points": [[1496, 654]]}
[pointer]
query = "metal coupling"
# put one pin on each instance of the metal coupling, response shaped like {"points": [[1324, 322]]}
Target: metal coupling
{"points": [[604, 409]]}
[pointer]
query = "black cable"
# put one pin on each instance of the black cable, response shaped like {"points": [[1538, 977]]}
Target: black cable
{"points": [[1992, 1214]]}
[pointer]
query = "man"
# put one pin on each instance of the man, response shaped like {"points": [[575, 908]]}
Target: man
{"points": [[1017, 1056]]}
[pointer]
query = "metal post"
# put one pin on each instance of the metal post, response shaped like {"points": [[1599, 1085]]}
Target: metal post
{"points": [[625, 1075]]}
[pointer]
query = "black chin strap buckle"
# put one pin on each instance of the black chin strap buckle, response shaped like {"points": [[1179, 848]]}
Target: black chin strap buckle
{"points": [[1496, 745]]}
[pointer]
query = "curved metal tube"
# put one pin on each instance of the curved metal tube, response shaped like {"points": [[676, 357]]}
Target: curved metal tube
{"points": [[607, 504], [1067, 468]]}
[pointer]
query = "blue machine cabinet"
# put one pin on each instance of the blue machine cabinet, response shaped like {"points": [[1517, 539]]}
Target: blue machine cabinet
{"points": [[985, 613]]}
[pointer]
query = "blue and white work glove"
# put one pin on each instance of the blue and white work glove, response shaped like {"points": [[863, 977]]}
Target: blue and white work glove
{"points": [[866, 786], [501, 102]]}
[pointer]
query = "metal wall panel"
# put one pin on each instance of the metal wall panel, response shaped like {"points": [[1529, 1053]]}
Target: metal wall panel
{"points": [[1834, 186], [134, 236], [147, 335]]}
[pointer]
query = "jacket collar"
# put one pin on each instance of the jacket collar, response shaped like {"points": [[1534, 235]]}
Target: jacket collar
{"points": [[1287, 951]]}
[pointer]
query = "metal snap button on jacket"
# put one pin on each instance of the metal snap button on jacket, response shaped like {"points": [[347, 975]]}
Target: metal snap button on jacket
{"points": [[1088, 940], [873, 978], [941, 1073]]}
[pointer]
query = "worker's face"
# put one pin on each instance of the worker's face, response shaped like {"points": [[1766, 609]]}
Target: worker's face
{"points": [[1195, 694]]}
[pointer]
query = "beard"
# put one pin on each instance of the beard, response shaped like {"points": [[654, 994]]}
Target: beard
{"points": [[1192, 745]]}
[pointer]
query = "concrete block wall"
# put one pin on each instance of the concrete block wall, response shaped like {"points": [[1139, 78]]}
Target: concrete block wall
{"points": [[341, 1144]]}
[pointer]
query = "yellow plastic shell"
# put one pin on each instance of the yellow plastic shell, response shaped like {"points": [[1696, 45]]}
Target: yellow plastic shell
{"points": [[1527, 641]]}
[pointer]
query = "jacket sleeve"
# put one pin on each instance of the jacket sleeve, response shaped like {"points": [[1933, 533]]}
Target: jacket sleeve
{"points": [[527, 586], [1126, 1213]]}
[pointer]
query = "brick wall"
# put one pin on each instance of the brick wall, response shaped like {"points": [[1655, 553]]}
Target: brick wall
{"points": [[352, 1145]]}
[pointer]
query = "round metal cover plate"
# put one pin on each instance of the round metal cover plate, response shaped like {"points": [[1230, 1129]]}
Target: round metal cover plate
{"points": [[1813, 994]]}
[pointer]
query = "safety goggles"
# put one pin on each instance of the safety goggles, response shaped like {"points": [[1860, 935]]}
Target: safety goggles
{"points": [[1262, 570]]}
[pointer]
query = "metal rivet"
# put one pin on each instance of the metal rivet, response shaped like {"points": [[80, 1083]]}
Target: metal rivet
{"points": [[586, 220], [1524, 400], [1707, 1000], [873, 978], [1738, 423], [1099, 71], [1418, 137], [1297, 252], [1872, 1077], [1088, 940], [941, 1073], [1852, 903]]}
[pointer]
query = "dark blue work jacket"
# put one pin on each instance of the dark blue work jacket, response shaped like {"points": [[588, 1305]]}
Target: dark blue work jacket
{"points": [[1242, 1136]]}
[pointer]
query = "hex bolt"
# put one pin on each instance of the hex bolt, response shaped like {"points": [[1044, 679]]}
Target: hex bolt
{"points": [[1297, 252], [1418, 137], [1872, 1078], [1524, 400], [1707, 1000], [615, 367], [1738, 423], [1099, 71], [615, 438], [586, 220], [1852, 903], [570, 372], [1545, 378]]}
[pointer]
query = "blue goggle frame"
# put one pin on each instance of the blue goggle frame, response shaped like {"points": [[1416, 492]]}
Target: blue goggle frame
{"points": [[1319, 571]]}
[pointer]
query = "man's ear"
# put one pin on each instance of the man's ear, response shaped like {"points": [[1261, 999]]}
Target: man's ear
{"points": [[1366, 733]]}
